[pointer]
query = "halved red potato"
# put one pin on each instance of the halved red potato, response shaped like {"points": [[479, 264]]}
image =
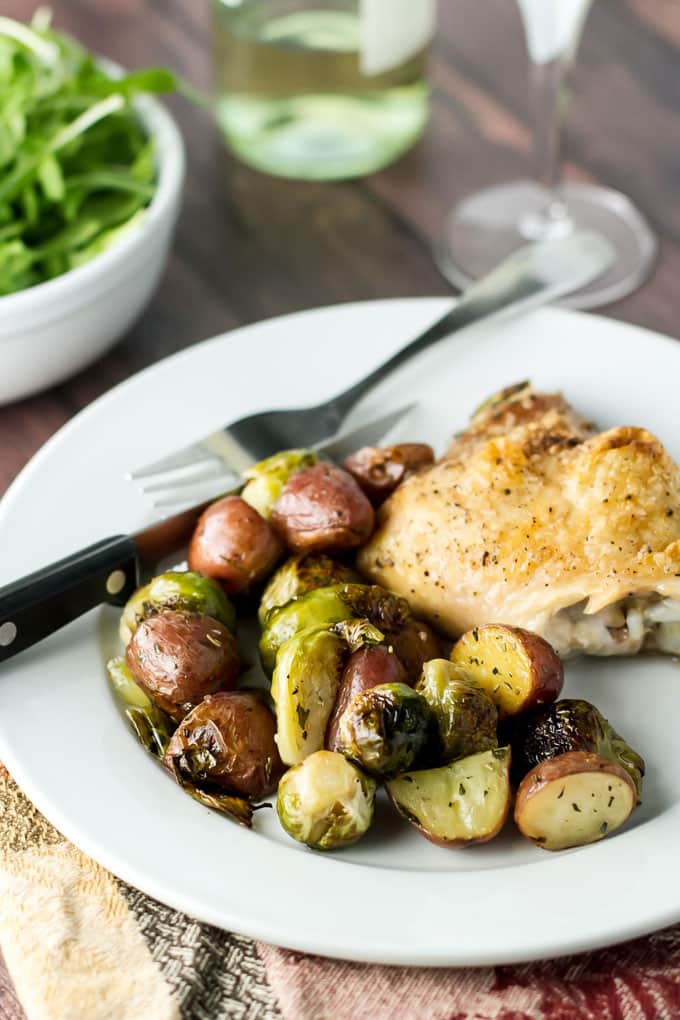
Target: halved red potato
{"points": [[516, 668], [573, 799], [462, 803]]}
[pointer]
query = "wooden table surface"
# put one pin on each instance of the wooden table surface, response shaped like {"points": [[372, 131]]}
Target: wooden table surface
{"points": [[250, 246]]}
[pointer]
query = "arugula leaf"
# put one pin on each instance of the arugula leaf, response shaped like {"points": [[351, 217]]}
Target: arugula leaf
{"points": [[76, 167]]}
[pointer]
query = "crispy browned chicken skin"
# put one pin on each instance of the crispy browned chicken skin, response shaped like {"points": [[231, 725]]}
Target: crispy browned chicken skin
{"points": [[534, 518]]}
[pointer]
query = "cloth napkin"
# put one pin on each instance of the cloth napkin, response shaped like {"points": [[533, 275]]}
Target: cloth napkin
{"points": [[81, 945]]}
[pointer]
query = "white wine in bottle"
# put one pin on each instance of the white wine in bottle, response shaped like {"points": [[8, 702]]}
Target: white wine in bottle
{"points": [[323, 89]]}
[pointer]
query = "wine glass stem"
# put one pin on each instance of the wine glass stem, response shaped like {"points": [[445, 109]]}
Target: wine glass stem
{"points": [[547, 82], [553, 29]]}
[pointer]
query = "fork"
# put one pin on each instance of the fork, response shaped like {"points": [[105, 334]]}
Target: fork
{"points": [[533, 275]]}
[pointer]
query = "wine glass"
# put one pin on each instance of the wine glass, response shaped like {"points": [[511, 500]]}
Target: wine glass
{"points": [[485, 227]]}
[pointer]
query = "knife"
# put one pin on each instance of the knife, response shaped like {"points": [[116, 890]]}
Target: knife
{"points": [[109, 571]]}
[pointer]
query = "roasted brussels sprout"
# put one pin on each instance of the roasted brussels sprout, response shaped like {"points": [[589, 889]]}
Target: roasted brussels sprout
{"points": [[178, 658], [322, 509], [265, 481], [386, 729], [517, 668], [325, 801], [574, 799], [379, 470], [317, 609], [184, 590], [570, 725], [465, 802], [228, 742], [151, 725], [304, 689], [367, 667], [234, 544], [496, 400], [300, 575], [465, 716], [237, 808]]}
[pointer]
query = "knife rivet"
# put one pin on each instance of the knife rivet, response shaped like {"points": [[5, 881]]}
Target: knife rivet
{"points": [[115, 582], [8, 631]]}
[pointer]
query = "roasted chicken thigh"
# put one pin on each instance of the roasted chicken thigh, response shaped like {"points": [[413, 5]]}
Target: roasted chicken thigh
{"points": [[534, 518]]}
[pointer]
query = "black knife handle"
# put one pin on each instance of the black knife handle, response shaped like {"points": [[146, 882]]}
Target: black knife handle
{"points": [[41, 603]]}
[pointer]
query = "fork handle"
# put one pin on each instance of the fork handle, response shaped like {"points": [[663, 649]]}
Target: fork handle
{"points": [[534, 275], [41, 603]]}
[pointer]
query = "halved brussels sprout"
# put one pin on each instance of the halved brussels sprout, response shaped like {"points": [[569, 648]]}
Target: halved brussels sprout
{"points": [[184, 590], [465, 715], [464, 802], [326, 802], [570, 725], [151, 725], [358, 633], [300, 575], [304, 687], [319, 608], [385, 729], [267, 478]]}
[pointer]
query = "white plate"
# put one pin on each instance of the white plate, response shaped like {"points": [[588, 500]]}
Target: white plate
{"points": [[394, 897]]}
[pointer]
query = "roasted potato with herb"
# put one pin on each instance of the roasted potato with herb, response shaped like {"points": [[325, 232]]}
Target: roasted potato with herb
{"points": [[385, 730], [574, 799], [465, 716], [300, 575], [184, 590], [517, 668], [227, 741], [570, 725], [178, 658], [379, 470], [266, 480], [325, 801], [464, 802], [304, 688], [234, 544], [322, 509], [367, 667]]}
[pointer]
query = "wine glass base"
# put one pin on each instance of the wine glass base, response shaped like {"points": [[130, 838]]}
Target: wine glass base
{"points": [[488, 226]]}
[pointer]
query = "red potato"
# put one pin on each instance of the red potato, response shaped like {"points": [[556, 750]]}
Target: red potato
{"points": [[573, 799], [228, 741], [322, 509], [459, 804], [414, 644], [518, 669], [234, 544], [368, 667], [178, 658], [379, 470]]}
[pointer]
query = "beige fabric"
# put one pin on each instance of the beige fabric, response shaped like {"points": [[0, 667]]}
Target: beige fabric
{"points": [[72, 946]]}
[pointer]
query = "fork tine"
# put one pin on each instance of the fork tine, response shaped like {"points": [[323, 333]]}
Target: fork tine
{"points": [[188, 457], [207, 469], [204, 473], [209, 489]]}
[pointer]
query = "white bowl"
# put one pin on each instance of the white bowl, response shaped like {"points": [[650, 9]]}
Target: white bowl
{"points": [[52, 330]]}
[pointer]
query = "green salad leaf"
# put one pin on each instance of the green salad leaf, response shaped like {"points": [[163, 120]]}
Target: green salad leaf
{"points": [[76, 167]]}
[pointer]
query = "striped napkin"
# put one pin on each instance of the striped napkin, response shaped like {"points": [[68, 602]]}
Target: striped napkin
{"points": [[81, 945]]}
